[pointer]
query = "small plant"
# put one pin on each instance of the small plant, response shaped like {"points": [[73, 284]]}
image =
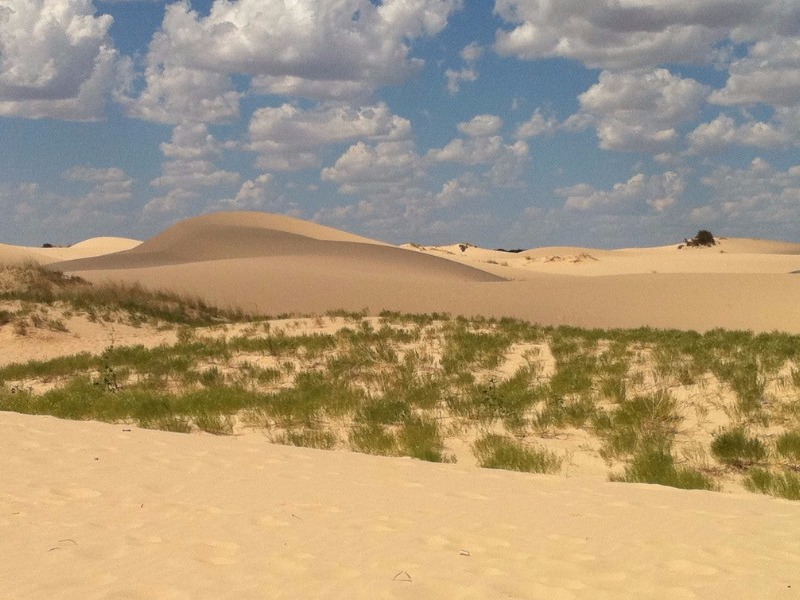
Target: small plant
{"points": [[703, 238], [308, 438], [373, 439], [657, 466], [736, 449], [788, 446], [495, 451], [782, 485], [419, 437]]}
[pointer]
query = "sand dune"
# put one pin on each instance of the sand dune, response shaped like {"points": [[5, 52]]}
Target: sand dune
{"points": [[87, 248], [91, 511], [275, 265]]}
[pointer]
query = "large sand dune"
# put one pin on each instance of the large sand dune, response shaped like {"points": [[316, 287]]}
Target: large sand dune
{"points": [[274, 265]]}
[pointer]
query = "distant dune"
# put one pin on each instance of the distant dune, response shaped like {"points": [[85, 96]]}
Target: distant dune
{"points": [[272, 264]]}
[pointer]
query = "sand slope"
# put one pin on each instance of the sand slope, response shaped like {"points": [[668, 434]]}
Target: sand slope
{"points": [[98, 511]]}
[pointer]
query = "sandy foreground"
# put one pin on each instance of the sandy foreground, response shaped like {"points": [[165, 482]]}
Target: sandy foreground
{"points": [[90, 510]]}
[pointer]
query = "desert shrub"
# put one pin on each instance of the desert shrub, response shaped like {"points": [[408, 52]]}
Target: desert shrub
{"points": [[657, 466], [383, 411], [213, 422], [308, 438], [372, 438], [703, 238], [420, 437], [495, 451], [636, 424], [783, 485], [788, 445], [735, 448]]}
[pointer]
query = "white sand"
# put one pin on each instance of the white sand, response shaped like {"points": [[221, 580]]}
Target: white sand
{"points": [[90, 510]]}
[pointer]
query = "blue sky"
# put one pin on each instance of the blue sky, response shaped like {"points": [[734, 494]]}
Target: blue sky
{"points": [[505, 123]]}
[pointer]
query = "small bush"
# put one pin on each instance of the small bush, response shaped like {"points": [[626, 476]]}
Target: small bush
{"points": [[788, 445], [419, 437], [657, 466], [308, 438], [735, 448], [703, 238], [495, 451], [782, 485], [373, 439]]}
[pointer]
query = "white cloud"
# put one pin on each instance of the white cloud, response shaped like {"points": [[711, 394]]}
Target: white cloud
{"points": [[190, 164], [755, 201], [386, 168], [56, 60], [656, 191], [111, 185], [723, 132], [537, 125], [337, 49], [626, 34], [470, 54], [455, 78], [287, 137], [639, 110], [175, 93], [770, 73], [483, 147], [481, 125]]}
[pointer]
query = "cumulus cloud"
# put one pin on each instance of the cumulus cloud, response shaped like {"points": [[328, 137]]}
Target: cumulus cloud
{"points": [[190, 159], [656, 191], [756, 200], [770, 73], [288, 138], [385, 168], [56, 60], [610, 34], [639, 110], [538, 124], [483, 146], [338, 49], [471, 53], [723, 132], [110, 185]]}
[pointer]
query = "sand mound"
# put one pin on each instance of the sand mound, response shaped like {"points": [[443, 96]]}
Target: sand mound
{"points": [[243, 235], [15, 255]]}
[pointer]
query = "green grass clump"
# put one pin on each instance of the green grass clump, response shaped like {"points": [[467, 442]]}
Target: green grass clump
{"points": [[308, 438], [420, 437], [788, 446], [495, 451], [657, 466], [642, 422], [373, 438], [735, 448], [782, 485]]}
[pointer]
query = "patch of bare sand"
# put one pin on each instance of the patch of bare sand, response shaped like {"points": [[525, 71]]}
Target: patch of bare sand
{"points": [[91, 510]]}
